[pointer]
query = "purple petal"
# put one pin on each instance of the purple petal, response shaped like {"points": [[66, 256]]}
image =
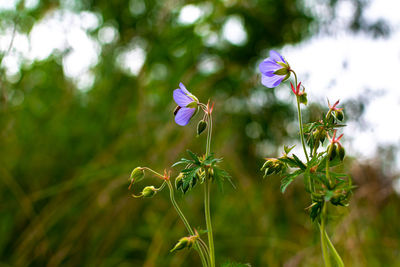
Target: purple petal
{"points": [[181, 98], [268, 67], [273, 81], [182, 86], [276, 56], [184, 115]]}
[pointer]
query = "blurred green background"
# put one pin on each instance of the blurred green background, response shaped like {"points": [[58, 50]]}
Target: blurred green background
{"points": [[71, 132]]}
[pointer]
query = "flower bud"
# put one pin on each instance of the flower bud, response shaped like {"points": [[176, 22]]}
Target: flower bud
{"points": [[341, 152], [149, 191], [332, 152], [201, 126], [339, 115], [179, 181], [184, 242], [303, 99], [330, 118], [137, 175]]}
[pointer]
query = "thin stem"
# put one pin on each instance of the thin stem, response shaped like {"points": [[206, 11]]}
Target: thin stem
{"points": [[208, 220], [185, 221], [207, 197], [301, 128], [328, 176], [206, 250], [336, 255], [323, 237], [311, 182], [154, 172]]}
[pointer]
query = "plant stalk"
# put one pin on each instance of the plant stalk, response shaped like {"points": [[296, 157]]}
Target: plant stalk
{"points": [[323, 237], [185, 222], [207, 197]]}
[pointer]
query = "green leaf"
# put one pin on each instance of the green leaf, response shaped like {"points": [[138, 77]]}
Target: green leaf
{"points": [[183, 161], [235, 264], [189, 179], [316, 209], [194, 157], [287, 149], [300, 164], [220, 176], [287, 180]]}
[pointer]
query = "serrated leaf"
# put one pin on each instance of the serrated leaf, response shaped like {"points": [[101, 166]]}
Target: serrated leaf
{"points": [[289, 161], [220, 176], [288, 179], [194, 157], [183, 161], [189, 179], [287, 149], [300, 164]]}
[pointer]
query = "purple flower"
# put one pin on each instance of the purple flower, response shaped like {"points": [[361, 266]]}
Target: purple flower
{"points": [[187, 105], [274, 70]]}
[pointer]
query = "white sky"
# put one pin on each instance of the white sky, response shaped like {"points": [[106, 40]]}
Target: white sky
{"points": [[372, 64]]}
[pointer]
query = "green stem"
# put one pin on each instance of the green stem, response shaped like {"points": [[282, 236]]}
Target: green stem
{"points": [[323, 237], [336, 255], [208, 220], [310, 181], [328, 176], [301, 127], [185, 221], [207, 197]]}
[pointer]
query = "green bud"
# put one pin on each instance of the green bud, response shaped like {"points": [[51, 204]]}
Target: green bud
{"points": [[179, 181], [201, 126], [341, 152], [332, 152], [339, 115], [330, 118], [137, 175], [149, 191], [192, 105], [303, 99], [266, 165], [184, 242]]}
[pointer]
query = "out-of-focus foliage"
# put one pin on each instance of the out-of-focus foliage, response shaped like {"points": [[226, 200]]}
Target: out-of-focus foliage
{"points": [[66, 153]]}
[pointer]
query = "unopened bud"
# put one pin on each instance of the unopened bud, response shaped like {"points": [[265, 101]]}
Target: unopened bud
{"points": [[339, 115], [184, 242], [332, 152], [137, 175], [303, 99], [149, 191], [341, 152], [201, 126]]}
